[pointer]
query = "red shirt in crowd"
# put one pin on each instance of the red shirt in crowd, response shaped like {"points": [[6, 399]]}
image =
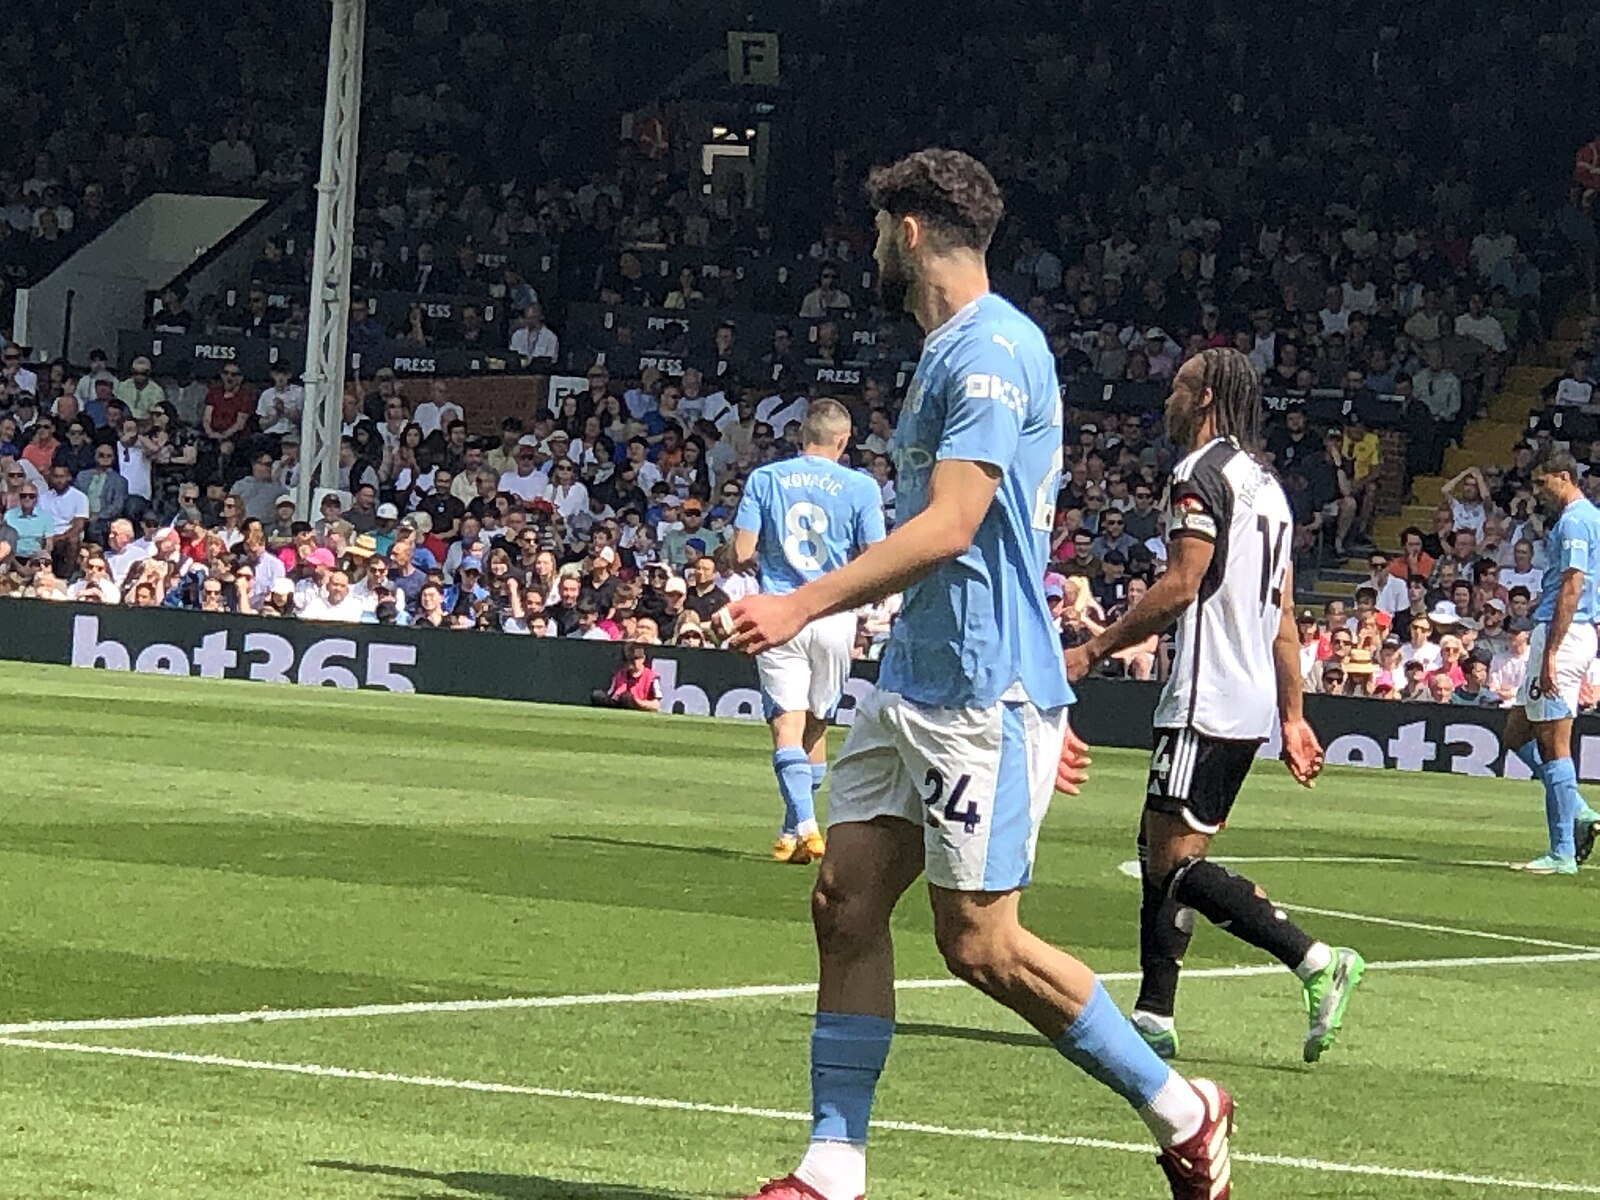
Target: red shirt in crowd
{"points": [[643, 686], [226, 409]]}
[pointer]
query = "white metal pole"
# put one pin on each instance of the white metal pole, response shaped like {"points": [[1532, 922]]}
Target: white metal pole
{"points": [[330, 275]]}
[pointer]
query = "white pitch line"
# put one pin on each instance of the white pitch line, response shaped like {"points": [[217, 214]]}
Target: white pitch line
{"points": [[1458, 931], [772, 1114], [1132, 870], [696, 995]]}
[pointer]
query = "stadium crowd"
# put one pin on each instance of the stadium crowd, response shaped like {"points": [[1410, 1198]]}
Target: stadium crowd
{"points": [[1401, 293]]}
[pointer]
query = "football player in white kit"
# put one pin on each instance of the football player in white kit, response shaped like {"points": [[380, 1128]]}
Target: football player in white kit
{"points": [[798, 520], [1236, 668]]}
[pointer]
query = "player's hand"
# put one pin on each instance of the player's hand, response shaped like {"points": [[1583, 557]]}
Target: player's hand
{"points": [[1079, 664], [759, 623], [1072, 772], [1547, 676], [1302, 753]]}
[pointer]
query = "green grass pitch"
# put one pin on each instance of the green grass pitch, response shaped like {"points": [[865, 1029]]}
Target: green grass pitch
{"points": [[183, 847]]}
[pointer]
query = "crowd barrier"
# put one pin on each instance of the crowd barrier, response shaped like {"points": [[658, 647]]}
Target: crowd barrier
{"points": [[1360, 733]]}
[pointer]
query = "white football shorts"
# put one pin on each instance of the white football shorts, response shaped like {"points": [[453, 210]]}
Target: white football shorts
{"points": [[1576, 652], [977, 780], [808, 674]]}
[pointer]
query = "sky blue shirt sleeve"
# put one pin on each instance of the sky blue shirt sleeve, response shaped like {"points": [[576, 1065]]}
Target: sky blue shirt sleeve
{"points": [[986, 400], [748, 516], [1576, 549], [869, 522]]}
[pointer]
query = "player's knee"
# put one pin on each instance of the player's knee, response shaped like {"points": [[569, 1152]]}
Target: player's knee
{"points": [[975, 955], [841, 916]]}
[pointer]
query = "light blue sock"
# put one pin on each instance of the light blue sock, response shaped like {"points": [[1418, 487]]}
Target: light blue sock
{"points": [[1103, 1044], [1561, 804], [1528, 752], [819, 772], [847, 1056], [793, 769]]}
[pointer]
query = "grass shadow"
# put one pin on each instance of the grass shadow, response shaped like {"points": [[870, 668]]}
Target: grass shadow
{"points": [[631, 844], [497, 1186]]}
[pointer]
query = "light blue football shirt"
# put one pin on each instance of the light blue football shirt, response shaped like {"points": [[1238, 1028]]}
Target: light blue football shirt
{"points": [[978, 630], [809, 516], [1573, 544]]}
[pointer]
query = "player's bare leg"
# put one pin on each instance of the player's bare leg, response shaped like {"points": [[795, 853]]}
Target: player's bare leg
{"points": [[799, 743], [868, 869], [869, 866], [1546, 748], [1177, 877], [985, 944]]}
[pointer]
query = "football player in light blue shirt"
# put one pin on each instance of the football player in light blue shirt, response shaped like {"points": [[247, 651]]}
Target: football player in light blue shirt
{"points": [[949, 766], [1539, 728], [798, 520]]}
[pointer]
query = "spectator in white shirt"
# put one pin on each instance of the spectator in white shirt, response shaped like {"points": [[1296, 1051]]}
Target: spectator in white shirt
{"points": [[1335, 318], [279, 407], [1481, 326], [437, 411], [65, 506], [97, 371], [533, 338], [332, 602], [1522, 572], [826, 296], [526, 481], [1360, 293], [1509, 667], [96, 586]]}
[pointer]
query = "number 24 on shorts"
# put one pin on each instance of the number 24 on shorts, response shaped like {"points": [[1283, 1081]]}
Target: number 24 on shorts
{"points": [[969, 817]]}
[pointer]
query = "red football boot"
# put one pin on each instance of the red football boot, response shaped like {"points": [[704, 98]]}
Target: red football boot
{"points": [[789, 1188], [1200, 1168]]}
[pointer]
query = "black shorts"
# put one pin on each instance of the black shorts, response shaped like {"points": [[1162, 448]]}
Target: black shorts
{"points": [[1197, 777]]}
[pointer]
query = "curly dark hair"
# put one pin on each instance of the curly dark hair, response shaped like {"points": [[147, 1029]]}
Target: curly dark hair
{"points": [[950, 191]]}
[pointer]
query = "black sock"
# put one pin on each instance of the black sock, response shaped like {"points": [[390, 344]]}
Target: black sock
{"points": [[1232, 902], [1165, 928]]}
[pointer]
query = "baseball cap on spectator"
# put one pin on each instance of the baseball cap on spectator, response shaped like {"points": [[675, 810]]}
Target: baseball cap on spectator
{"points": [[691, 505], [1088, 427], [1444, 613], [149, 520], [1155, 334], [321, 557], [333, 499], [1306, 617], [606, 555], [1417, 665], [388, 512], [1054, 591], [472, 563], [420, 521], [1481, 654], [282, 587], [528, 441], [675, 584], [1392, 643], [285, 499]]}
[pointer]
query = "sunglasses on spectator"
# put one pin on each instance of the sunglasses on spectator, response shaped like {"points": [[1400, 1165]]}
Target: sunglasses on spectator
{"points": [[12, 356], [213, 589], [1344, 639], [16, 474], [28, 495]]}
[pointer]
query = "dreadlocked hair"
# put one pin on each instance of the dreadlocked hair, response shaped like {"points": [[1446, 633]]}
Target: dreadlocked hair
{"points": [[1236, 392]]}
